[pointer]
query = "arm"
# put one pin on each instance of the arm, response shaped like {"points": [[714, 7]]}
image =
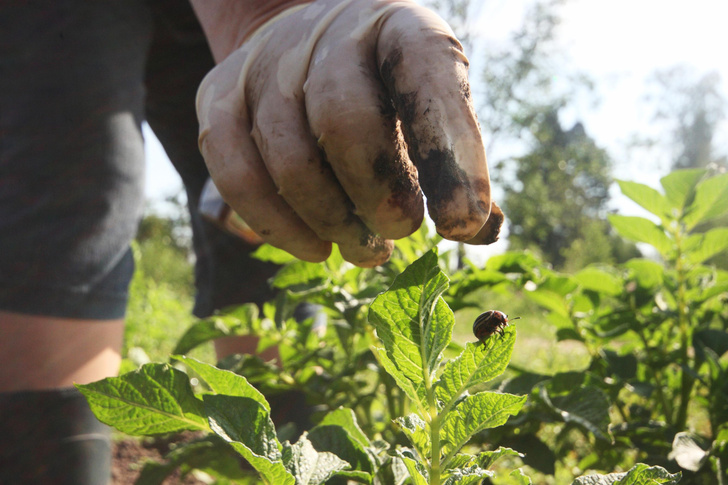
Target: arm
{"points": [[227, 23]]}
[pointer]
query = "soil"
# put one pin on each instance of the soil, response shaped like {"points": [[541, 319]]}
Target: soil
{"points": [[129, 455]]}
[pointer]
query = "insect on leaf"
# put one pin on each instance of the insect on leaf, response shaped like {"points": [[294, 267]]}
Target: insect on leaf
{"points": [[477, 364]]}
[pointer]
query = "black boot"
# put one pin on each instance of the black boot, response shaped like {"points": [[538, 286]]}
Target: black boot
{"points": [[51, 437]]}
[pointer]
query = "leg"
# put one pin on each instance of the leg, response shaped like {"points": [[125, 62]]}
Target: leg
{"points": [[35, 358], [52, 436], [71, 167]]}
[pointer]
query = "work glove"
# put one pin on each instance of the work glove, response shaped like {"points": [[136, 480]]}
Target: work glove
{"points": [[310, 129]]}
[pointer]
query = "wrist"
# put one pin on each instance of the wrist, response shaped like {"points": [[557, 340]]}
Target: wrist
{"points": [[227, 23]]}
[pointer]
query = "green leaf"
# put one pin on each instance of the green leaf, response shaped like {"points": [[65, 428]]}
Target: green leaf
{"points": [[224, 381], [486, 459], [639, 474], [245, 424], [513, 262], [550, 300], [476, 365], [474, 414], [311, 467], [647, 197], [639, 229], [600, 280], [648, 274], [418, 433], [716, 287], [413, 389], [519, 478], [476, 281], [679, 185], [535, 453], [585, 406], [559, 284], [711, 201], [623, 366], [710, 338], [700, 247], [335, 439], [154, 399], [203, 331], [301, 276], [642, 474], [412, 320], [416, 470], [271, 254], [467, 476], [346, 418]]}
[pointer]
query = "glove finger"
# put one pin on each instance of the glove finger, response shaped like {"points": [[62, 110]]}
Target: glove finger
{"points": [[490, 231], [425, 71], [351, 116], [306, 181], [239, 173]]}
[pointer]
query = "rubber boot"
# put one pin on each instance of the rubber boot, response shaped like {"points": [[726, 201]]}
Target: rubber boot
{"points": [[51, 437]]}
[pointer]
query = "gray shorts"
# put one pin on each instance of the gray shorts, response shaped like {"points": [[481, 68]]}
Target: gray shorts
{"points": [[77, 79]]}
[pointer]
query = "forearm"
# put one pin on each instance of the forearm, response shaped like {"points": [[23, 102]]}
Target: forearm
{"points": [[227, 23]]}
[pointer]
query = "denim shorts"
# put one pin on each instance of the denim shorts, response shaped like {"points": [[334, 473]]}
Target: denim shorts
{"points": [[77, 80]]}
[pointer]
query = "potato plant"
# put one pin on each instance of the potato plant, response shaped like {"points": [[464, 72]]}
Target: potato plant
{"points": [[657, 332], [397, 401]]}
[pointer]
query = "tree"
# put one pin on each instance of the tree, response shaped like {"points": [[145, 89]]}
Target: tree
{"points": [[692, 108], [556, 189], [558, 205]]}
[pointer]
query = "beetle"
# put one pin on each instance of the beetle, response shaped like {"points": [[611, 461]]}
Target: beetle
{"points": [[490, 322]]}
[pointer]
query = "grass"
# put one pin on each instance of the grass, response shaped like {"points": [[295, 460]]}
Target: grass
{"points": [[160, 307]]}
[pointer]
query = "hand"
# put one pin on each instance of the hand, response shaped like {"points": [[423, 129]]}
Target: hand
{"points": [[306, 129]]}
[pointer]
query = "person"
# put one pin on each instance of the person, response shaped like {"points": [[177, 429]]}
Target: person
{"points": [[307, 115]]}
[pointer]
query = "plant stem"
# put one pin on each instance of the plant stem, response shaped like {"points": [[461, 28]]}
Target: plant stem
{"points": [[435, 440], [434, 419], [686, 380], [656, 377], [432, 416], [720, 471]]}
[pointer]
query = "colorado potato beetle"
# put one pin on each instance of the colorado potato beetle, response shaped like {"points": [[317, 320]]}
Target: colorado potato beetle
{"points": [[490, 322]]}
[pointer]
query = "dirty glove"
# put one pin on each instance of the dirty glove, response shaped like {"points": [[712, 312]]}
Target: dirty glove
{"points": [[308, 129]]}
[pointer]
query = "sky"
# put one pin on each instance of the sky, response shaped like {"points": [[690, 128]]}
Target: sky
{"points": [[619, 43], [622, 43]]}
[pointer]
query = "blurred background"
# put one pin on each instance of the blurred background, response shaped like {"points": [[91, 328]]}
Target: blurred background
{"points": [[571, 95]]}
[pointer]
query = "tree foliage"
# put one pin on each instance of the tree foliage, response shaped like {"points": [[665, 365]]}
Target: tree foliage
{"points": [[558, 204], [557, 187], [692, 108]]}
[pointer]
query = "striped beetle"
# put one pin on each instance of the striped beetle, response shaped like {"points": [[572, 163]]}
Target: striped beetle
{"points": [[490, 322]]}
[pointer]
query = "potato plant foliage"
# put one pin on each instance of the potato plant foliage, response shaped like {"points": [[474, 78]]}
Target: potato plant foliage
{"points": [[398, 402], [656, 329]]}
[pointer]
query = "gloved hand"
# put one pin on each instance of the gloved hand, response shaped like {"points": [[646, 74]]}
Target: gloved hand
{"points": [[306, 129]]}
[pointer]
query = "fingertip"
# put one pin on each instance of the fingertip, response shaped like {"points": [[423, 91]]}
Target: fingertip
{"points": [[460, 210], [311, 251], [372, 251], [489, 233]]}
